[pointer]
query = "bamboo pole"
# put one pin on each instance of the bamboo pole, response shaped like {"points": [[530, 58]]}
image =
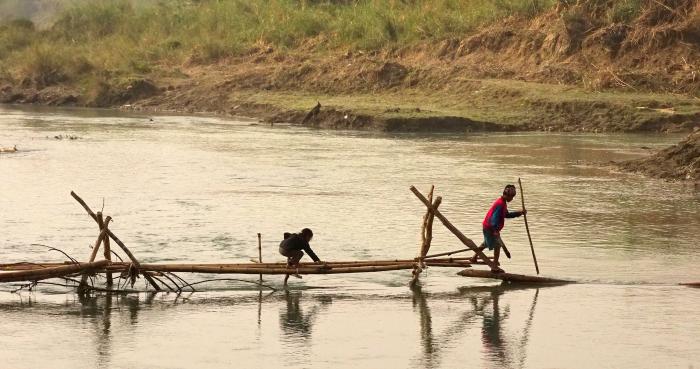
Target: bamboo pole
{"points": [[119, 242], [52, 272], [282, 270], [107, 249], [445, 253], [466, 241], [120, 265], [326, 265], [532, 248], [260, 252]]}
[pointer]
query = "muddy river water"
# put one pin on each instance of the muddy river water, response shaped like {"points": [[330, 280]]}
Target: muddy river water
{"points": [[199, 189]]}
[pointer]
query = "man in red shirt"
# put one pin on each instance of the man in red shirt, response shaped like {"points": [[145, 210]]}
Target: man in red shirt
{"points": [[493, 224]]}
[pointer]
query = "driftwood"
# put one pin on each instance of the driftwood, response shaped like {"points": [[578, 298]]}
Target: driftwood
{"points": [[119, 242], [9, 149], [52, 272], [511, 277]]}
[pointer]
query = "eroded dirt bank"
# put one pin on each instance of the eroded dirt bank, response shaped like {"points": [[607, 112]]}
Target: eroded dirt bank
{"points": [[681, 161]]}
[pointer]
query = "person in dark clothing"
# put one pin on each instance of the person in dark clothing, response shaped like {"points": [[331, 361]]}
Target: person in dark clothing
{"points": [[293, 247], [494, 221]]}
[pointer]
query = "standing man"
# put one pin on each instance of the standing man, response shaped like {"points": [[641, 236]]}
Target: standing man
{"points": [[493, 224], [292, 247]]}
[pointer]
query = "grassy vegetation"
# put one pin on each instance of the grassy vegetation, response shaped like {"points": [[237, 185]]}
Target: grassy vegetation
{"points": [[525, 101], [125, 36]]}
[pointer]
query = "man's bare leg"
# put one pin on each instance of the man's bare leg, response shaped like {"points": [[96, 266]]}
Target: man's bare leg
{"points": [[496, 254]]}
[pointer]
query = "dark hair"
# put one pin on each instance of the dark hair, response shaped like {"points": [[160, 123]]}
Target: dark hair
{"points": [[287, 235], [306, 233], [510, 189]]}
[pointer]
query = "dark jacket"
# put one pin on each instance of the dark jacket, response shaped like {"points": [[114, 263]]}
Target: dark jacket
{"points": [[297, 242]]}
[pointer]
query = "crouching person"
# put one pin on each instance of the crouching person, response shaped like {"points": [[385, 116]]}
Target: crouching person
{"points": [[293, 247]]}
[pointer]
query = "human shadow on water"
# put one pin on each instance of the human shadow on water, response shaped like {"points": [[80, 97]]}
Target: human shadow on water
{"points": [[484, 308], [297, 322]]}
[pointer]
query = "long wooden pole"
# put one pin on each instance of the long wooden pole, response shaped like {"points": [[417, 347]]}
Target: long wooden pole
{"points": [[280, 270], [466, 241], [527, 228], [117, 240], [53, 272]]}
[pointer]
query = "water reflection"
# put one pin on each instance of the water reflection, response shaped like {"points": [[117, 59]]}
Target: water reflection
{"points": [[295, 322], [98, 309], [484, 308]]}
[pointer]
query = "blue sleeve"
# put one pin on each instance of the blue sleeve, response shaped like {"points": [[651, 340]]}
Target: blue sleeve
{"points": [[496, 222]]}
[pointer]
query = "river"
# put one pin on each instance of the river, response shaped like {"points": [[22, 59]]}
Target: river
{"points": [[199, 189]]}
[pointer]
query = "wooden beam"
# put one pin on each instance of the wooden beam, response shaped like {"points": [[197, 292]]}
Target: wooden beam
{"points": [[511, 277]]}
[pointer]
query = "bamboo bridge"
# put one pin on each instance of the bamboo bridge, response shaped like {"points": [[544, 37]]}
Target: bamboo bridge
{"points": [[162, 277]]}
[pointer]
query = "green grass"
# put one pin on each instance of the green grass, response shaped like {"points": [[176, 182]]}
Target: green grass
{"points": [[501, 101], [125, 36]]}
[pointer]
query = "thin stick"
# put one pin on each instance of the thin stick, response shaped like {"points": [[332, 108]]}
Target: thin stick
{"points": [[444, 253], [260, 252], [527, 228], [61, 251]]}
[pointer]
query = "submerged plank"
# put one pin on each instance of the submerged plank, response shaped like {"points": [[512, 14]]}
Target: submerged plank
{"points": [[511, 277]]}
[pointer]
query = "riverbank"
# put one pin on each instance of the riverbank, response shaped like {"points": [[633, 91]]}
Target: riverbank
{"points": [[626, 67], [463, 104]]}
